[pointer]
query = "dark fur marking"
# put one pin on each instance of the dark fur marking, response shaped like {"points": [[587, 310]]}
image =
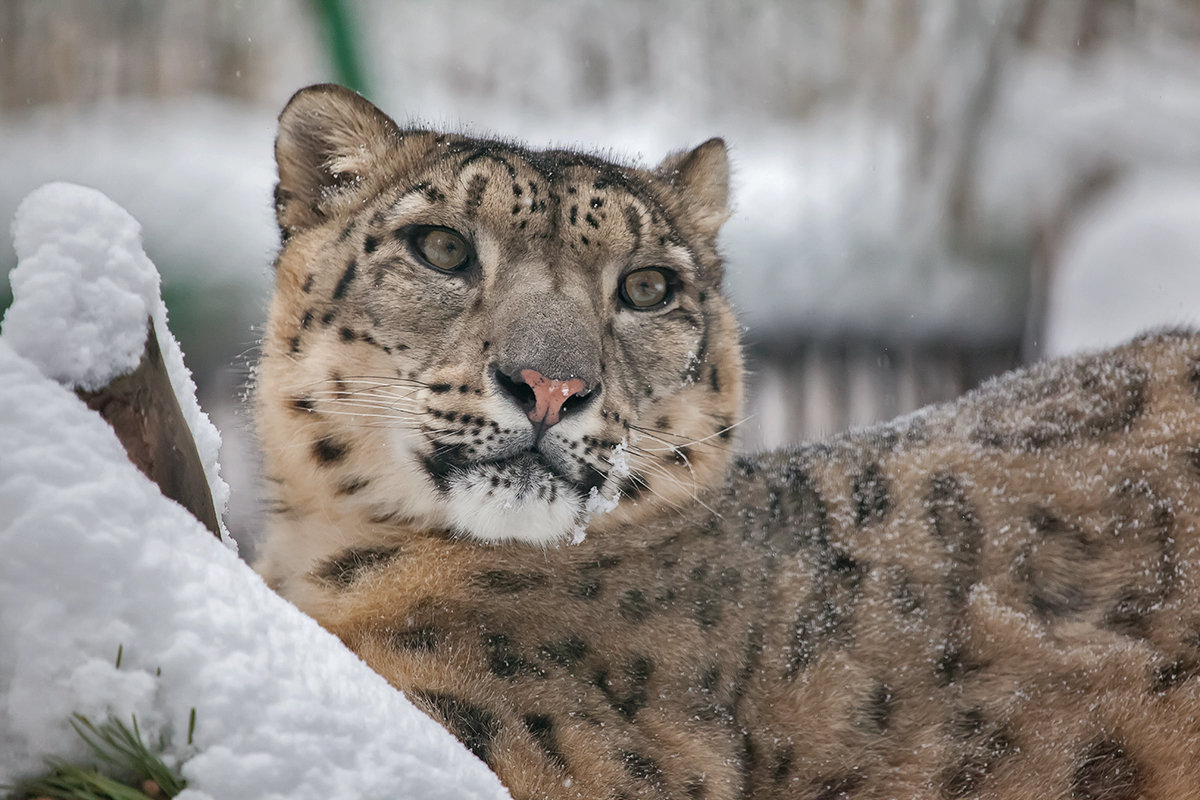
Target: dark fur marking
{"points": [[965, 778], [1143, 518], [294, 344], [329, 451], [877, 713], [839, 787], [475, 191], [370, 244], [1049, 566], [423, 639], [591, 220], [953, 522], [589, 585], [328, 316], [679, 455], [824, 618], [641, 766], [871, 495], [630, 697], [349, 565], [347, 334], [308, 283], [1106, 771], [633, 223], [505, 661], [506, 582], [748, 763], [305, 404], [633, 606], [306, 320], [711, 706], [782, 767], [967, 724], [984, 743], [706, 608], [1175, 673], [1130, 615], [474, 726], [352, 486], [541, 728], [445, 461], [905, 598], [802, 517], [347, 278], [565, 652], [632, 486], [954, 665]]}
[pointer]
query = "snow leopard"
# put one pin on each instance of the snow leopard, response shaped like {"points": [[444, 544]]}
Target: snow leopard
{"points": [[495, 401]]}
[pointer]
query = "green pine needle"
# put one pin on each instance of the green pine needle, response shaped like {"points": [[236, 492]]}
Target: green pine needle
{"points": [[124, 753]]}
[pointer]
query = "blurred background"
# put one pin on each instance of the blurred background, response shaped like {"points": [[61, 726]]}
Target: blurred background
{"points": [[927, 191]]}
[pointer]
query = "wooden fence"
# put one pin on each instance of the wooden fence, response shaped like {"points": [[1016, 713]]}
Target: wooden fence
{"points": [[806, 388]]}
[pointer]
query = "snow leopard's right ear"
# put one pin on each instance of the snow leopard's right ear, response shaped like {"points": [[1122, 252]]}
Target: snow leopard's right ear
{"points": [[330, 141]]}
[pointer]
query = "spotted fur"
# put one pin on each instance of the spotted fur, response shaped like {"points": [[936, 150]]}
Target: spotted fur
{"points": [[994, 598]]}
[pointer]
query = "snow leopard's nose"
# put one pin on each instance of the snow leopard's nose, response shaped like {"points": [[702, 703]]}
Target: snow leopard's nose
{"points": [[545, 400]]}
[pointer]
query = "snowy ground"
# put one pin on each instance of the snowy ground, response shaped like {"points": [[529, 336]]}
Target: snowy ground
{"points": [[97, 562]]}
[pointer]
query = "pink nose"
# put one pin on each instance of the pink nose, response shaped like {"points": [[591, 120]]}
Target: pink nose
{"points": [[549, 395]]}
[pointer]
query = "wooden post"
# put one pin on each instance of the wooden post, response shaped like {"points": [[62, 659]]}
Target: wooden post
{"points": [[141, 407]]}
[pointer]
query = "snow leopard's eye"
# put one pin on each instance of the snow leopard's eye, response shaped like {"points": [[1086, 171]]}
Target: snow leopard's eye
{"points": [[644, 289], [441, 248]]}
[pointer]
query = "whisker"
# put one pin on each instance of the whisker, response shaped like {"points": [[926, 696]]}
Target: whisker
{"points": [[687, 441]]}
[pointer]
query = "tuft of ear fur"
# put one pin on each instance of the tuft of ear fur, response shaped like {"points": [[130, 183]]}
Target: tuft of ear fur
{"points": [[703, 175], [329, 139]]}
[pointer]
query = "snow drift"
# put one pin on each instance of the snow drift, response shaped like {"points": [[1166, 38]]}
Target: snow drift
{"points": [[95, 561]]}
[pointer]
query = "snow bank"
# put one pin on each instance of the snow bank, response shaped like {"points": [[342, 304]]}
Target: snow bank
{"points": [[82, 292], [95, 561]]}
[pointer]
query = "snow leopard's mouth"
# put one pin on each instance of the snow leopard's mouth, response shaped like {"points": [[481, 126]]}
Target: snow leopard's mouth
{"points": [[524, 475]]}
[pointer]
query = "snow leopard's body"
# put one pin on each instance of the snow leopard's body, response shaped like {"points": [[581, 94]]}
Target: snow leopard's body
{"points": [[992, 598]]}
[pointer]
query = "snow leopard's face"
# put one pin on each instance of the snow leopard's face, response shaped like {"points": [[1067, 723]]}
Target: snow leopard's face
{"points": [[470, 335]]}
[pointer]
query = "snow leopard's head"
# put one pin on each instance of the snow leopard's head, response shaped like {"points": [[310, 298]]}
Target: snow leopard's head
{"points": [[490, 340]]}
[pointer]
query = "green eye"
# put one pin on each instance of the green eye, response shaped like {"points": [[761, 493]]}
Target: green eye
{"points": [[645, 288], [442, 248]]}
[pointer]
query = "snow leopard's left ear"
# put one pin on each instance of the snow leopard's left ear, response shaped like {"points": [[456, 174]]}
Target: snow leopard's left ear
{"points": [[330, 141], [702, 176]]}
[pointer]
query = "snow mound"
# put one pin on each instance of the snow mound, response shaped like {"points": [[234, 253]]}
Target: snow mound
{"points": [[82, 291], [83, 287], [96, 560]]}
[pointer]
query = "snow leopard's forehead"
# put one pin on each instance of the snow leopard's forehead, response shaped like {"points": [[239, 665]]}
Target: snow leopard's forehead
{"points": [[552, 205]]}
